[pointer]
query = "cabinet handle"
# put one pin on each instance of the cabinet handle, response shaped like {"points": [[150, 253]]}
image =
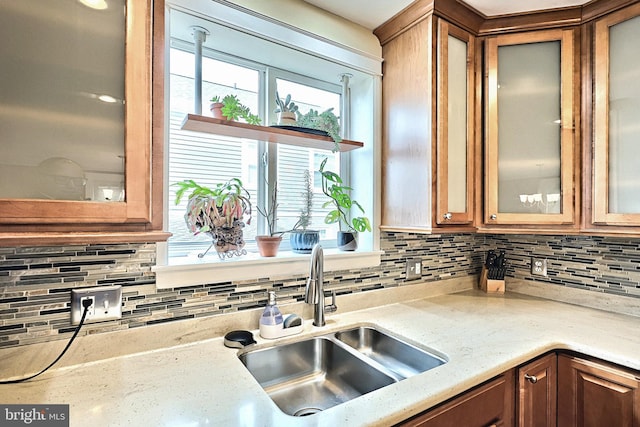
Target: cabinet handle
{"points": [[531, 378], [493, 217], [447, 215]]}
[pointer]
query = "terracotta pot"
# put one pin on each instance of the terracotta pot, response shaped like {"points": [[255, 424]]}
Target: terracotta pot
{"points": [[268, 245], [216, 110], [347, 240]]}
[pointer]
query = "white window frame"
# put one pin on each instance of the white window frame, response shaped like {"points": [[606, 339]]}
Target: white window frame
{"points": [[171, 276]]}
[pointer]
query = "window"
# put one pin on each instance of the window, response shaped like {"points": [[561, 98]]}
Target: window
{"points": [[210, 159], [293, 61]]}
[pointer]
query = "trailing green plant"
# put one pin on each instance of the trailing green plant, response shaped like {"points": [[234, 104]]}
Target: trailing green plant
{"points": [[334, 188], [325, 121], [304, 218], [233, 109], [285, 106], [219, 206]]}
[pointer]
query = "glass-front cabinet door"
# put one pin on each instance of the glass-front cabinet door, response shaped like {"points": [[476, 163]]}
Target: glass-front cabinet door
{"points": [[75, 114], [530, 128], [616, 171], [455, 134]]}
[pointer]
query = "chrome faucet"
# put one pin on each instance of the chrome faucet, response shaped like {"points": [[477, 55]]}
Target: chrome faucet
{"points": [[314, 291]]}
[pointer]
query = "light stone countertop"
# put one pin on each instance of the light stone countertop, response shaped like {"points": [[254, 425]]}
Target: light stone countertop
{"points": [[204, 383]]}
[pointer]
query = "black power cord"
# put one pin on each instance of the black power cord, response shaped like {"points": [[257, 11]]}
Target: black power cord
{"points": [[86, 304]]}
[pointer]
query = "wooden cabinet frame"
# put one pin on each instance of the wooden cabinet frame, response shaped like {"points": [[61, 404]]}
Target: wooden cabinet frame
{"points": [[441, 147], [600, 190], [139, 218], [569, 72]]}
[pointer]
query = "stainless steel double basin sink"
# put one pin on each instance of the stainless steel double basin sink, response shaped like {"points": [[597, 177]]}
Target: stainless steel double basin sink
{"points": [[314, 374]]}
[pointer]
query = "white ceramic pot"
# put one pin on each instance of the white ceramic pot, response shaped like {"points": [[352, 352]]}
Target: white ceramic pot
{"points": [[287, 118]]}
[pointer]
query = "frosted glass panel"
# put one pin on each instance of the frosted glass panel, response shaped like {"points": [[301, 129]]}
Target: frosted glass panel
{"points": [[457, 125], [529, 83], [624, 122], [62, 100]]}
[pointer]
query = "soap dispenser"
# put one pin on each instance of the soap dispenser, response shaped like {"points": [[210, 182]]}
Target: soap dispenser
{"points": [[271, 316]]}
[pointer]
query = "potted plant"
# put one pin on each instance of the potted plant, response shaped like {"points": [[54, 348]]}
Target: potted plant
{"points": [[268, 245], [325, 121], [232, 109], [339, 194], [219, 211], [216, 107], [286, 110], [301, 238]]}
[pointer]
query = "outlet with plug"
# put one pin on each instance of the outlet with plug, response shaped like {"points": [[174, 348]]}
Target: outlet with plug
{"points": [[106, 304]]}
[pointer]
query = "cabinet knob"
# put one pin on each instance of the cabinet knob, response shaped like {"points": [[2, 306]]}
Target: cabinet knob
{"points": [[531, 378], [447, 215], [493, 217]]}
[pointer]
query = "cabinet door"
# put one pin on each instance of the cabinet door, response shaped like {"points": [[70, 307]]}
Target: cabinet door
{"points": [[455, 111], [616, 177], [531, 102], [57, 136], [537, 391], [490, 404], [594, 395]]}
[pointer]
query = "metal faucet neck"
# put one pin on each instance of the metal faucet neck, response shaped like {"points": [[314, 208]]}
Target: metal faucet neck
{"points": [[314, 292]]}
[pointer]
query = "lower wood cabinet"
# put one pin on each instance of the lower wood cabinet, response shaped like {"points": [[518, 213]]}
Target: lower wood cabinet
{"points": [[560, 390], [593, 394], [490, 404], [537, 393]]}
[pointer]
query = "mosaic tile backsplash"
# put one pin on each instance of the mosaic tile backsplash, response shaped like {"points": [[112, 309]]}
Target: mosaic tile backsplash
{"points": [[35, 283]]}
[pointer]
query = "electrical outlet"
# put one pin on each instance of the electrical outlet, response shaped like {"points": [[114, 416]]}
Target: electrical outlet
{"points": [[538, 266], [414, 269], [106, 304]]}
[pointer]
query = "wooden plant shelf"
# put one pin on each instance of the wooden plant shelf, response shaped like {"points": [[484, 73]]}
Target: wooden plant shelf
{"points": [[197, 123]]}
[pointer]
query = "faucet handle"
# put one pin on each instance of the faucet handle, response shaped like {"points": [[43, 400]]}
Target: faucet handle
{"points": [[331, 307]]}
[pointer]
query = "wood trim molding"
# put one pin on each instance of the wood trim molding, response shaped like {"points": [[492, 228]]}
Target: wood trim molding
{"points": [[404, 20], [66, 238], [598, 8], [531, 21], [158, 115], [478, 24]]}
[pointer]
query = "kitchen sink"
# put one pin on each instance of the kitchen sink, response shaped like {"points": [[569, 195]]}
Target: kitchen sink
{"points": [[401, 358], [314, 374], [309, 376]]}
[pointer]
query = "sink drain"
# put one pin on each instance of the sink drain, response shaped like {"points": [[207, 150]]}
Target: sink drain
{"points": [[304, 412]]}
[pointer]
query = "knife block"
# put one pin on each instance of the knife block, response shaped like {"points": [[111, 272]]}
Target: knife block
{"points": [[490, 285]]}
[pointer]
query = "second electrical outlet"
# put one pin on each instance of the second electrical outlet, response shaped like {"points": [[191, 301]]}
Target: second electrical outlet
{"points": [[414, 269]]}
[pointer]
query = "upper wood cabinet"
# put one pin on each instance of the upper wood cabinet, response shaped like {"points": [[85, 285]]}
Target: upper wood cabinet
{"points": [[428, 104], [531, 106], [455, 142], [408, 122], [616, 99], [138, 217]]}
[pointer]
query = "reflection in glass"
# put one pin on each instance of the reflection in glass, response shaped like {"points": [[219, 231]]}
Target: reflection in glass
{"points": [[529, 83], [61, 99], [624, 126]]}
